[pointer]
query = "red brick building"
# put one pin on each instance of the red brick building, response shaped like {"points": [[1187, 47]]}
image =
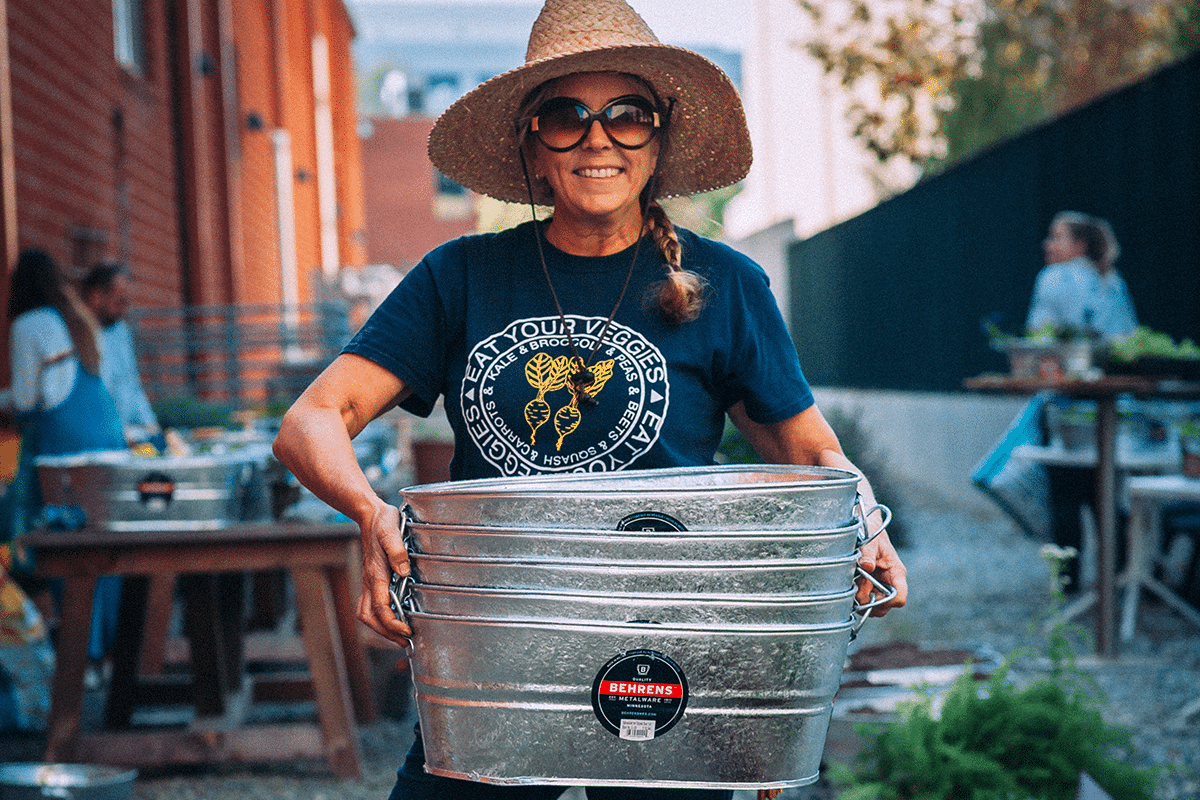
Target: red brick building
{"points": [[210, 144], [409, 209]]}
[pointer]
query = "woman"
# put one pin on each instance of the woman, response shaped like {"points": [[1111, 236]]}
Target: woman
{"points": [[1079, 288], [602, 338], [61, 404]]}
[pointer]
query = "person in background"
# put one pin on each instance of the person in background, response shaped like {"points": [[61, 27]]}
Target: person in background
{"points": [[564, 333], [60, 403], [1080, 288], [107, 290]]}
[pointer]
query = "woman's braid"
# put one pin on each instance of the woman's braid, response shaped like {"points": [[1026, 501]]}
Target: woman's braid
{"points": [[681, 297]]}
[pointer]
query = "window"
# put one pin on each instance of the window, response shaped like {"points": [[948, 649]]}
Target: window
{"points": [[129, 41], [450, 200]]}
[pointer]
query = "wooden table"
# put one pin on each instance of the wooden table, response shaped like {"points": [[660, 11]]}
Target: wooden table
{"points": [[1104, 391], [319, 558]]}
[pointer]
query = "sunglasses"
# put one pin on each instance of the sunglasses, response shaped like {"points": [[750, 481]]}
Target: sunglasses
{"points": [[562, 123]]}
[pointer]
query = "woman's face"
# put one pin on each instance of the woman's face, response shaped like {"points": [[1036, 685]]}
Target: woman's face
{"points": [[596, 181], [1061, 245]]}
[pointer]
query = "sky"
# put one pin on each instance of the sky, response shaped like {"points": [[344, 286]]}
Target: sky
{"points": [[719, 22]]}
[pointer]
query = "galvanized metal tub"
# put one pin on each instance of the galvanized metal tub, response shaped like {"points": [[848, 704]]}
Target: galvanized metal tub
{"points": [[817, 576], [683, 610], [633, 704], [120, 491], [728, 497], [535, 543], [38, 781]]}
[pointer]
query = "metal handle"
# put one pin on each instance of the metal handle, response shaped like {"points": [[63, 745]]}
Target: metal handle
{"points": [[399, 589], [863, 537], [864, 609], [405, 536]]}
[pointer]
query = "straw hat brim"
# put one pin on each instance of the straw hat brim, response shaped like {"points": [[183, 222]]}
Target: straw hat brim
{"points": [[475, 143]]}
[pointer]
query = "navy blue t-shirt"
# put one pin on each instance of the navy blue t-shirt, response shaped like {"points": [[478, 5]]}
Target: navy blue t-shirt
{"points": [[475, 322]]}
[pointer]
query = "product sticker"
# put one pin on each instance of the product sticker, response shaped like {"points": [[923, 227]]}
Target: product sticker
{"points": [[155, 491], [639, 695], [650, 521]]}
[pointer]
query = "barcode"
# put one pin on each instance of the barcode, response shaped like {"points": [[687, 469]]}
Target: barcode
{"points": [[637, 729]]}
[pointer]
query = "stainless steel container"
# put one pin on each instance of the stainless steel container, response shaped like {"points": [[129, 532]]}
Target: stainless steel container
{"points": [[121, 491], [724, 498], [535, 543], [39, 781], [632, 704], [763, 578], [682, 610]]}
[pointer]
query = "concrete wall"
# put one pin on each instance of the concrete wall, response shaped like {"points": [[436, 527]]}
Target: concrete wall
{"points": [[932, 439]]}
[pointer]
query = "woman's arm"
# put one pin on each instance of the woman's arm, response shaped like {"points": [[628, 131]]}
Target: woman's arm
{"points": [[314, 442], [807, 438]]}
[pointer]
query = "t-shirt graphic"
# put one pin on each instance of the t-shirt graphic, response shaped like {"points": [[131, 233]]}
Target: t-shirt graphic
{"points": [[523, 416]]}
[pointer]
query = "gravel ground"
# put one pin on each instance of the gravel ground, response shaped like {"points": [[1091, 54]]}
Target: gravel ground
{"points": [[976, 584]]}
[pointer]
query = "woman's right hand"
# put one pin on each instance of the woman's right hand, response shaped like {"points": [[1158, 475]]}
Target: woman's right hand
{"points": [[384, 553], [314, 442]]}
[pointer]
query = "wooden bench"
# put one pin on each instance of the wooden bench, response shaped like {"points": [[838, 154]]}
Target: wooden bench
{"points": [[209, 563]]}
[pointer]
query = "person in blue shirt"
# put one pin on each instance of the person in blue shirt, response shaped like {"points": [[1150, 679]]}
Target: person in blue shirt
{"points": [[107, 290], [1079, 288], [602, 338]]}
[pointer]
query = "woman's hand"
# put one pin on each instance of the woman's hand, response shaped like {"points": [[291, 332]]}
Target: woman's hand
{"points": [[880, 560], [384, 553], [314, 442]]}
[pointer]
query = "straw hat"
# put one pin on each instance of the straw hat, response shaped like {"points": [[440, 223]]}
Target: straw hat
{"points": [[475, 141]]}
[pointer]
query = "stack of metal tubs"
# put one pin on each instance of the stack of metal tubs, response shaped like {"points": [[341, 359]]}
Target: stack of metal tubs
{"points": [[675, 628]]}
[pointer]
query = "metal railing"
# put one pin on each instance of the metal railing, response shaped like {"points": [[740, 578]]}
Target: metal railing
{"points": [[240, 355]]}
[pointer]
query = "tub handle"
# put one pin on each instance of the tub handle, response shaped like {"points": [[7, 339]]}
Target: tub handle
{"points": [[405, 533], [400, 590], [863, 537], [864, 610]]}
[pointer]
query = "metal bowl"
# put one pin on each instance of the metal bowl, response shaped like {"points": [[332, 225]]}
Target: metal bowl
{"points": [[680, 610], [38, 781], [728, 497], [793, 578], [689, 546]]}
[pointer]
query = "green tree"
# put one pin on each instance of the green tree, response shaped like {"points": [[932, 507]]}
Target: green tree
{"points": [[933, 81]]}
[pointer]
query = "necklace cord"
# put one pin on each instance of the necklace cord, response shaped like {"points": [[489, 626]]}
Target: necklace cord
{"points": [[582, 377]]}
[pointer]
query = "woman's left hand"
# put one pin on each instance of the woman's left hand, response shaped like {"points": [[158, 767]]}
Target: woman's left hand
{"points": [[880, 559]]}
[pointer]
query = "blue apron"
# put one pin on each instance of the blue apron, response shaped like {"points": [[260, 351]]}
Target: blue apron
{"points": [[87, 420]]}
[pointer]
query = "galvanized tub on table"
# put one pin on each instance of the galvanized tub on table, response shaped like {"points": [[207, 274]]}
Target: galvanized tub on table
{"points": [[673, 609], [633, 704], [764, 578], [729, 497], [120, 491]]}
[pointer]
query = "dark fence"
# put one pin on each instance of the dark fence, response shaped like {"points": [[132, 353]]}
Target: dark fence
{"points": [[894, 298], [239, 355]]}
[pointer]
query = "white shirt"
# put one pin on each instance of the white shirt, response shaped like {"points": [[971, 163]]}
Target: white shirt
{"points": [[37, 336]]}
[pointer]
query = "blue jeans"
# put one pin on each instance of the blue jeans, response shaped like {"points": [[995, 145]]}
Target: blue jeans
{"points": [[414, 783]]}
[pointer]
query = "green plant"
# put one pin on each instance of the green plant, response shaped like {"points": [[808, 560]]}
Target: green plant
{"points": [[1000, 742]]}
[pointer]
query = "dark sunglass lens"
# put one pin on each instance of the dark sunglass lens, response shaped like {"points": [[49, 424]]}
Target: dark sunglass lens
{"points": [[630, 124], [561, 124]]}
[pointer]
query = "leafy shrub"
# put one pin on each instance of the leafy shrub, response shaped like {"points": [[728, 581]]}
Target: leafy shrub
{"points": [[999, 744]]}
